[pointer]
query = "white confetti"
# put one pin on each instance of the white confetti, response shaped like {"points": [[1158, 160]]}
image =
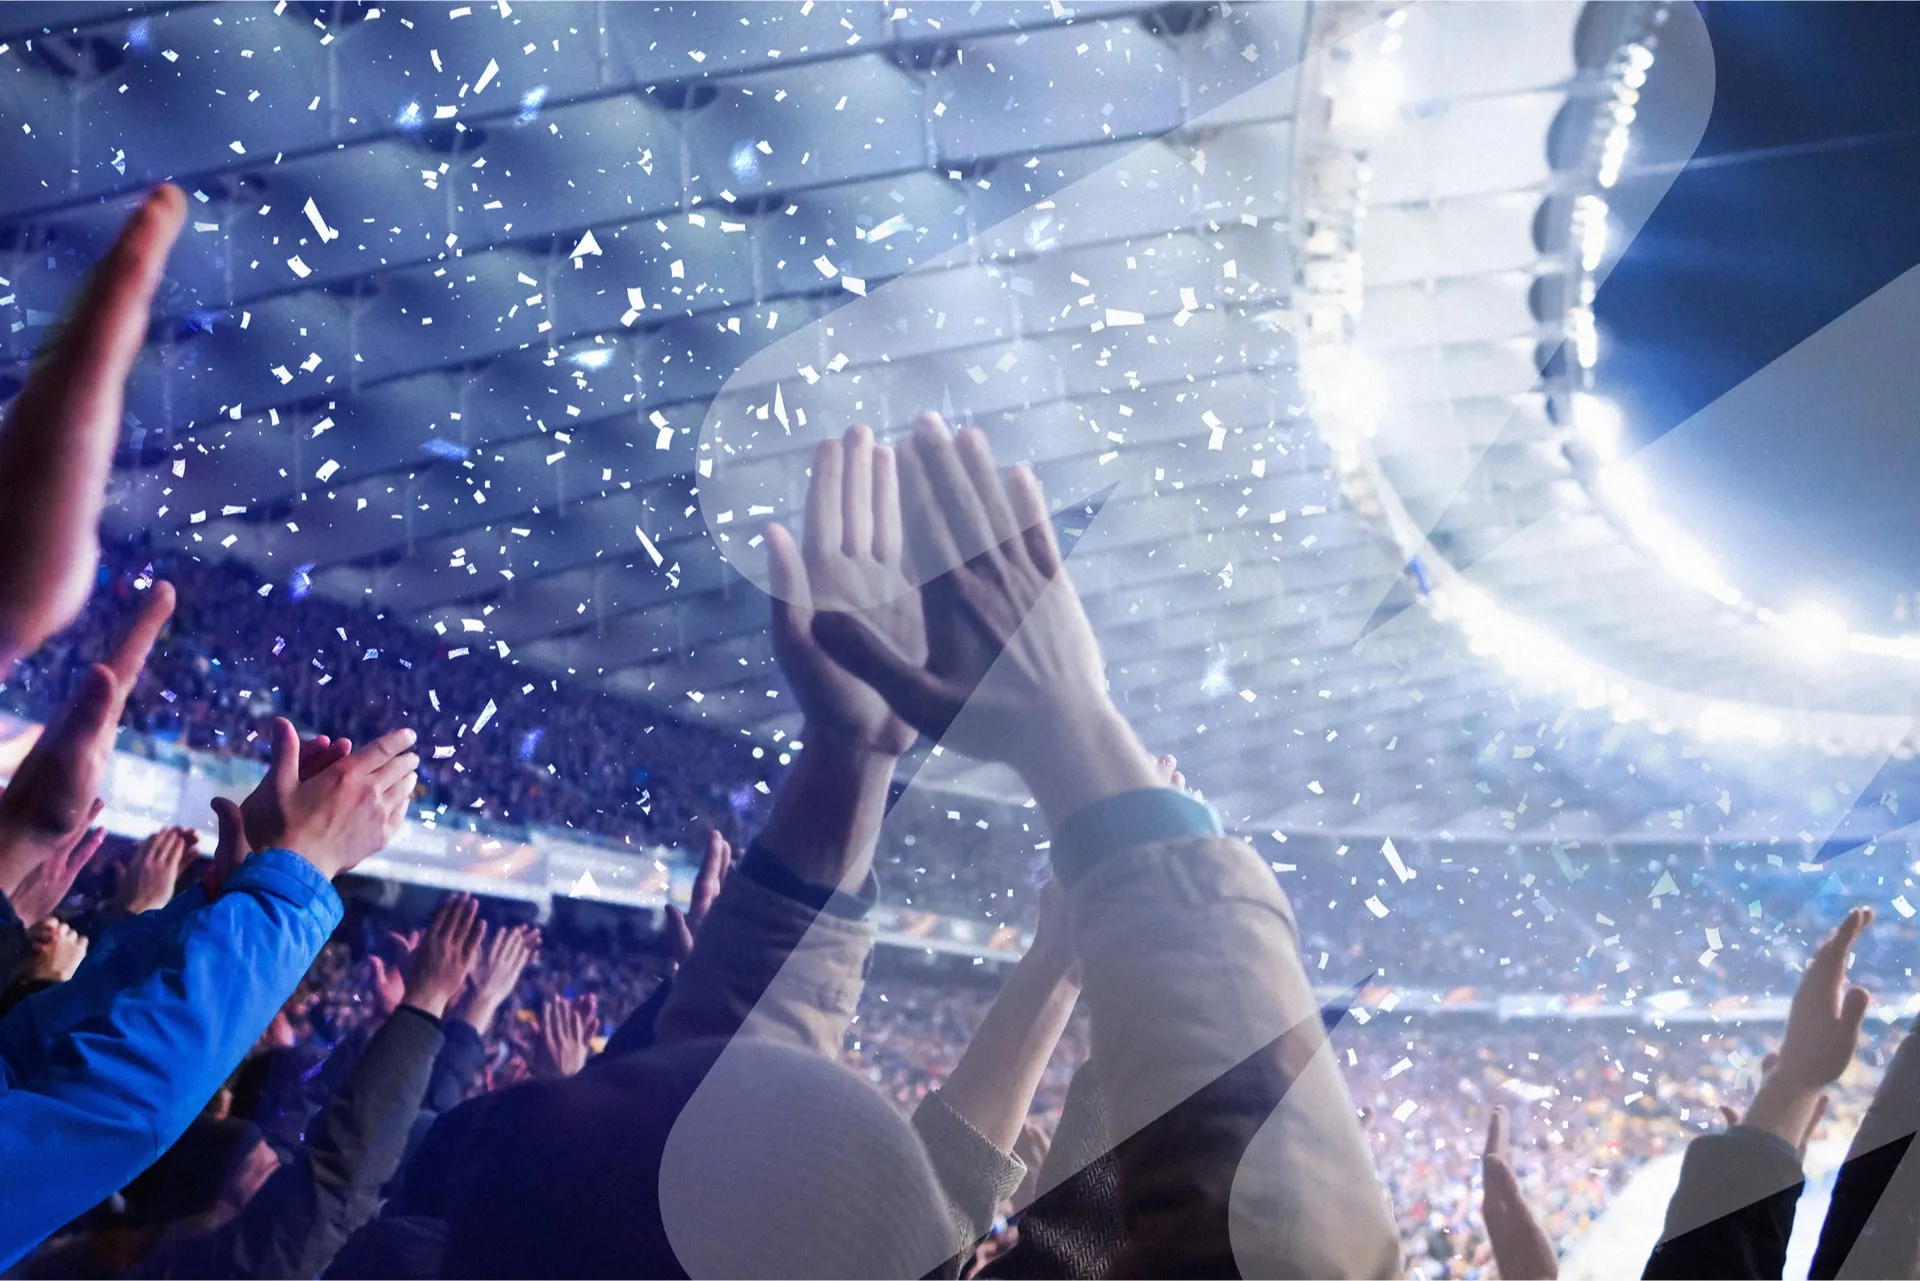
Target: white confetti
{"points": [[319, 224]]}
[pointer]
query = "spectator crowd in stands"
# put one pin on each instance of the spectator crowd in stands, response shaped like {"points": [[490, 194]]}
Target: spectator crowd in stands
{"points": [[207, 1068]]}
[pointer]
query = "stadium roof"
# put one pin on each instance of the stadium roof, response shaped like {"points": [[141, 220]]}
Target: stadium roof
{"points": [[518, 319]]}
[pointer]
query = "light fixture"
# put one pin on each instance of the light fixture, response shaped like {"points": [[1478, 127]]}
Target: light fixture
{"points": [[1600, 424], [1814, 631], [1369, 96]]}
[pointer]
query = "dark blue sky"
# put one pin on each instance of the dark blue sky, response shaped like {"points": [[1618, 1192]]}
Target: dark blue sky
{"points": [[1752, 251]]}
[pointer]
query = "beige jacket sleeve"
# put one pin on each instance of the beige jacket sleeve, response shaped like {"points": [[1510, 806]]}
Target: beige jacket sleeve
{"points": [[1238, 1145], [771, 968]]}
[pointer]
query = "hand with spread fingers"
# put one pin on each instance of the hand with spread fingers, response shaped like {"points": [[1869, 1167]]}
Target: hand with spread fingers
{"points": [[1823, 1033], [1012, 671], [495, 976], [55, 950], [151, 874], [852, 565], [349, 810], [1521, 1249], [684, 927], [445, 955], [57, 443], [567, 1029], [54, 796]]}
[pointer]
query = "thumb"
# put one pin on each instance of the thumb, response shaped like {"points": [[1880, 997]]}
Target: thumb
{"points": [[285, 770], [232, 848], [915, 694], [787, 583], [680, 940], [1853, 1011], [379, 970], [96, 703]]}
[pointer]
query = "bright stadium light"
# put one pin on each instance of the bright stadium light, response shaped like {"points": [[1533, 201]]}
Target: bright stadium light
{"points": [[1369, 97], [1814, 631], [1590, 224], [1600, 424]]}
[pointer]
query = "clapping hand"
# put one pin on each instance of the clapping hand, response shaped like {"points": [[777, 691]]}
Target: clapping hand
{"points": [[56, 446], [496, 975], [55, 950], [684, 926], [567, 1029], [390, 977], [1012, 671], [1823, 1031], [152, 872], [851, 565], [55, 794], [345, 812], [444, 955], [1521, 1249]]}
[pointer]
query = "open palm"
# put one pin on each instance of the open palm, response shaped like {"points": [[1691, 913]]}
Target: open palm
{"points": [[851, 565]]}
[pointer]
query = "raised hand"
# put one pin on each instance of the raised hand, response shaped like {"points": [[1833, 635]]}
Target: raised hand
{"points": [[1521, 1249], [1823, 1031], [55, 950], [1823, 1025], [445, 955], [56, 446], [152, 872], [349, 810], [851, 565], [390, 977], [44, 888], [260, 811], [567, 1029], [496, 975], [1007, 639], [54, 795], [682, 927]]}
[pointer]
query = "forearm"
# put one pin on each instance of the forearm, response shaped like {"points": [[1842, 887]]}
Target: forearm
{"points": [[993, 1084], [826, 817], [1089, 757]]}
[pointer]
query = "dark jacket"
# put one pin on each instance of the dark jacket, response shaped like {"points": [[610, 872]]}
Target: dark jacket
{"points": [[13, 942], [1732, 1214], [303, 1214], [95, 1069], [1873, 1221]]}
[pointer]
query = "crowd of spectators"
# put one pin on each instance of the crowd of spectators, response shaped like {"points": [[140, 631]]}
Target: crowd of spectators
{"points": [[209, 1067]]}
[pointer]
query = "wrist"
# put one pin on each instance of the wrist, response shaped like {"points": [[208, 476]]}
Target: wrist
{"points": [[477, 1014], [1783, 1107], [431, 1003], [827, 813], [852, 748], [1083, 757]]}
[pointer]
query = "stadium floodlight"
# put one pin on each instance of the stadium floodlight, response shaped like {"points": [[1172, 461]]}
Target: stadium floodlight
{"points": [[1369, 97], [1814, 631], [1590, 224], [1600, 424]]}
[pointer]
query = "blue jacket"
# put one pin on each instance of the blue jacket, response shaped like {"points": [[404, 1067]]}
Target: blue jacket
{"points": [[99, 1075]]}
